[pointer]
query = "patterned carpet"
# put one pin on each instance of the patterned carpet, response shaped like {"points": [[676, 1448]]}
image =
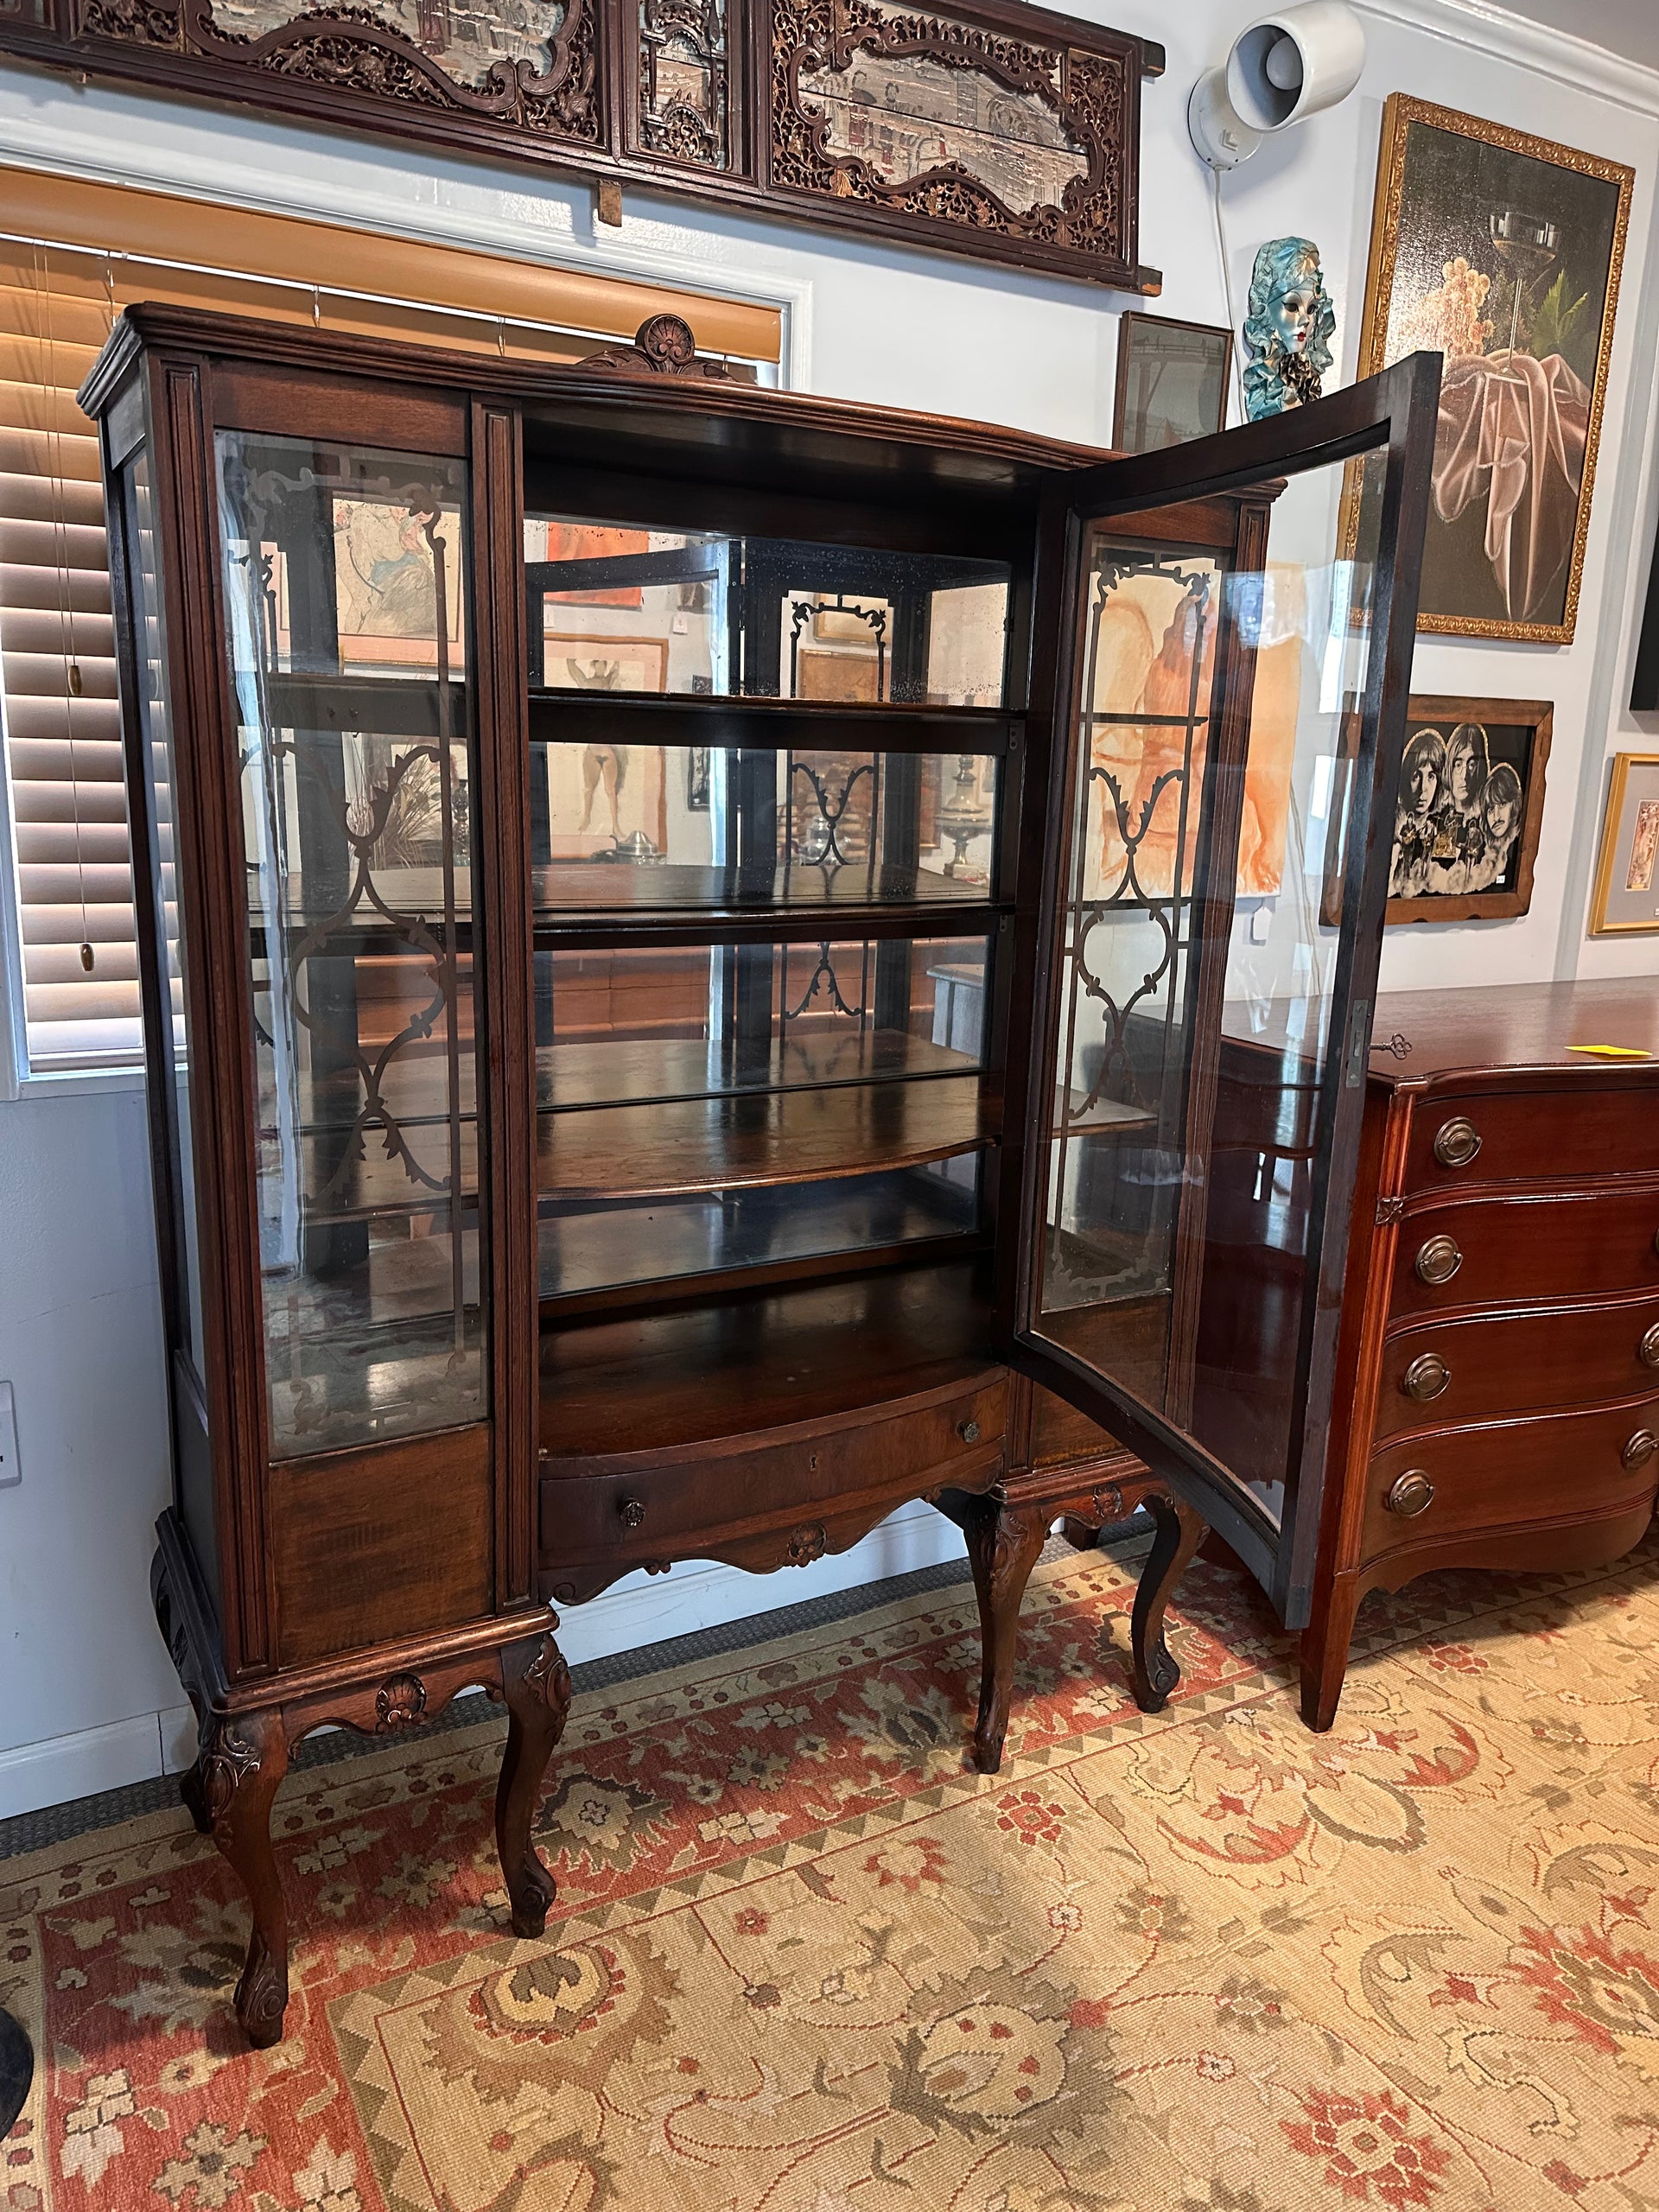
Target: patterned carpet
{"points": [[802, 1960]]}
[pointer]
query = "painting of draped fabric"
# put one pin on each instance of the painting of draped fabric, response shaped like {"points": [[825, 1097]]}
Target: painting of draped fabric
{"points": [[1502, 252]]}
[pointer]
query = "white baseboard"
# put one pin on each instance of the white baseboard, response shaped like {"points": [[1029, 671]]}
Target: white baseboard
{"points": [[644, 1608]]}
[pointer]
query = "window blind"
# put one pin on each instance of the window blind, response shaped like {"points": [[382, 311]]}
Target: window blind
{"points": [[74, 255]]}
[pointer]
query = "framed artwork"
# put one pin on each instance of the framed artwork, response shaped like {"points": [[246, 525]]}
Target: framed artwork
{"points": [[1002, 133], [1171, 382], [1502, 252], [1627, 873], [1470, 809], [385, 598], [1644, 680], [618, 662]]}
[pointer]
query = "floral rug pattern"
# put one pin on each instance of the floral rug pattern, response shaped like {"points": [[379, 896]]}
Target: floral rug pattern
{"points": [[802, 1960]]}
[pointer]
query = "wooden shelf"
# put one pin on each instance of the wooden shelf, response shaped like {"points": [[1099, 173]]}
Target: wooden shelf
{"points": [[576, 718], [650, 1246], [606, 1072], [589, 887], [741, 1139], [801, 1354]]}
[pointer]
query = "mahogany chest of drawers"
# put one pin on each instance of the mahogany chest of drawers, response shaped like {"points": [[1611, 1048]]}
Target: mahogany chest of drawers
{"points": [[1498, 1368]]}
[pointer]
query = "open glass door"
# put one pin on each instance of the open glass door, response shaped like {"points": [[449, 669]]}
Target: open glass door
{"points": [[1231, 681]]}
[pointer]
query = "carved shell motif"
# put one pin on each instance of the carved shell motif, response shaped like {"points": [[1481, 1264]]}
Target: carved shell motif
{"points": [[399, 1701]]}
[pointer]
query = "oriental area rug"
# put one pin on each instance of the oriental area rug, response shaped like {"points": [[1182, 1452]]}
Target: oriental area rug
{"points": [[803, 1961]]}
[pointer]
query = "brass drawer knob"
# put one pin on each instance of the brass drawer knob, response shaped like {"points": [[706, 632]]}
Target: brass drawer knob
{"points": [[1456, 1143], [1426, 1378], [1410, 1494], [1438, 1260], [1640, 1449], [1648, 1350], [967, 1431], [632, 1512]]}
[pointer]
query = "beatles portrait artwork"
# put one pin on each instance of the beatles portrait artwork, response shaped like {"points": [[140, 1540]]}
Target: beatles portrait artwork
{"points": [[1471, 799]]}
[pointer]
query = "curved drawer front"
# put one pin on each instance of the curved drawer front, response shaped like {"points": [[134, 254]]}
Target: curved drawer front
{"points": [[1486, 1366], [1555, 1465], [1503, 1251], [662, 1508], [1572, 1132]]}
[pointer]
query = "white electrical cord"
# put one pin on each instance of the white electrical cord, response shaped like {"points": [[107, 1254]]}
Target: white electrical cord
{"points": [[1227, 294]]}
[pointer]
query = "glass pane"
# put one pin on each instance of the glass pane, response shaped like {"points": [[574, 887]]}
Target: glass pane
{"points": [[345, 593], [635, 1023], [613, 607], [596, 1243], [701, 827], [158, 737], [1217, 727]]}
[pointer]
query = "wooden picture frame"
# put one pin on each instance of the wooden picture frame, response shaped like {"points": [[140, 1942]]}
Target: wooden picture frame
{"points": [[1000, 131], [1483, 203], [1627, 867], [1138, 345], [1644, 676], [1505, 731]]}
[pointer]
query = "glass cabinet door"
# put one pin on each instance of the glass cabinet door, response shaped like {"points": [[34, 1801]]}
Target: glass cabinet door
{"points": [[1229, 720], [346, 589]]}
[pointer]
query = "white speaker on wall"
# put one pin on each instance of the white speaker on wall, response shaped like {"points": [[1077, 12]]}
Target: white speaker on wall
{"points": [[1282, 69]]}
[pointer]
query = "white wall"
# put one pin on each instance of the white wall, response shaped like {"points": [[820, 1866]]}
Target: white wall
{"points": [[83, 1677]]}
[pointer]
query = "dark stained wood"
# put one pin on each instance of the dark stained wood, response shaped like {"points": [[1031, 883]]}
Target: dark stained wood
{"points": [[1516, 1362], [1540, 1328], [1528, 1244], [508, 1019], [1498, 1474], [367, 1546], [577, 111], [678, 1380], [1003, 1544], [775, 1317], [748, 1138]]}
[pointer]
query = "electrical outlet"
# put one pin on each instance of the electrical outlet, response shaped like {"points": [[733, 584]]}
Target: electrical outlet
{"points": [[11, 1467]]}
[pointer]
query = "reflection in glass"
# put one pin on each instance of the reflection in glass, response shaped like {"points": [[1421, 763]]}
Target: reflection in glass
{"points": [[164, 866], [630, 825], [613, 607], [725, 1106], [1217, 719], [345, 585]]}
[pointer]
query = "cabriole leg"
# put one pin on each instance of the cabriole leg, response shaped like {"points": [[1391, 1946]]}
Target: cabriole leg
{"points": [[536, 1684], [1179, 1534], [243, 1759], [1003, 1544]]}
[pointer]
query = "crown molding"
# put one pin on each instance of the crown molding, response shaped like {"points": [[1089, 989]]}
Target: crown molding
{"points": [[1499, 33]]}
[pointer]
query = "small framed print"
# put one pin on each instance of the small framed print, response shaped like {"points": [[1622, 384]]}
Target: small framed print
{"points": [[1171, 382], [1627, 874]]}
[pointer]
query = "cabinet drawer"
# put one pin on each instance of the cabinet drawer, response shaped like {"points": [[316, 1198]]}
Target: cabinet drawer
{"points": [[1501, 1251], [663, 1508], [1572, 1133], [1487, 1367], [1551, 1466]]}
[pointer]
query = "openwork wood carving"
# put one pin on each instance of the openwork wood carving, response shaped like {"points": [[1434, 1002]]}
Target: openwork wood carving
{"points": [[998, 131], [949, 118]]}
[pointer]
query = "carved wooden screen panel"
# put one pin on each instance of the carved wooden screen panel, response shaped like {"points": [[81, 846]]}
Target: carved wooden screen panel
{"points": [[998, 131]]}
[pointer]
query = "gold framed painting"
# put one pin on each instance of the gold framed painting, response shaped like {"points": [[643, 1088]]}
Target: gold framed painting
{"points": [[1502, 252], [1626, 897]]}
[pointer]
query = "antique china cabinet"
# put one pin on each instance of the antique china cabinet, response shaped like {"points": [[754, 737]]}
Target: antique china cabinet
{"points": [[687, 932]]}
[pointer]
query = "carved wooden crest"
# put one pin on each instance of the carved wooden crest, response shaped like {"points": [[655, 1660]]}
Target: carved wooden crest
{"points": [[662, 346], [998, 130]]}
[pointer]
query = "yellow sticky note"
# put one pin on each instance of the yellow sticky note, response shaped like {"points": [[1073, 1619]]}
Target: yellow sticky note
{"points": [[1612, 1051]]}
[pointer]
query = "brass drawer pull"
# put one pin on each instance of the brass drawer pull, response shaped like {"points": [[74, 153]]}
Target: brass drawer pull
{"points": [[1648, 1350], [631, 1511], [1438, 1260], [1456, 1143], [1426, 1376], [1410, 1494], [967, 1431], [1640, 1449]]}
